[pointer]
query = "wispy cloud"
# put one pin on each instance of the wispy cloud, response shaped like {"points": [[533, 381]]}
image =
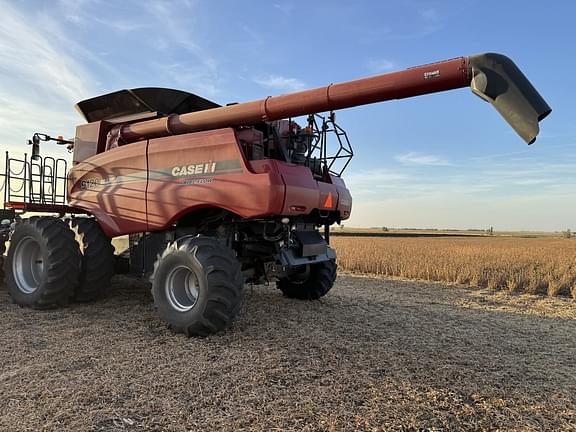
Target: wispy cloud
{"points": [[508, 194], [468, 176], [200, 71], [177, 25], [422, 21], [376, 65], [74, 11], [39, 79], [280, 83], [429, 14], [414, 158], [121, 25], [29, 56], [253, 34], [190, 77], [532, 182], [82, 13], [285, 7]]}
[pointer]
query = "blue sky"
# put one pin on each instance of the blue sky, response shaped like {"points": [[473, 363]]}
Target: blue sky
{"points": [[444, 160]]}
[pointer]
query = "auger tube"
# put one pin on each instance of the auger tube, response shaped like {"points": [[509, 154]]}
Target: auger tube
{"points": [[493, 77]]}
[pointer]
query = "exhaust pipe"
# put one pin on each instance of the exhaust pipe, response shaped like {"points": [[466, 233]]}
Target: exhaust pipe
{"points": [[496, 79]]}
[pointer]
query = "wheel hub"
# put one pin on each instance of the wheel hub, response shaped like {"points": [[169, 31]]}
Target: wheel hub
{"points": [[28, 265], [182, 288]]}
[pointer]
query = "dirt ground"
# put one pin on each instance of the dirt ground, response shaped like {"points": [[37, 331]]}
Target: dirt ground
{"points": [[375, 354]]}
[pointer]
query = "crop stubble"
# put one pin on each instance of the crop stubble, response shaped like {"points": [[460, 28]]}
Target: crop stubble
{"points": [[373, 355]]}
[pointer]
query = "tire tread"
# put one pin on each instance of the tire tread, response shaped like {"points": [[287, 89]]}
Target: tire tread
{"points": [[62, 273], [225, 284], [321, 280], [97, 259]]}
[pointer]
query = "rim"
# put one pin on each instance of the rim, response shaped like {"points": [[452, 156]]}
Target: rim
{"points": [[182, 288], [28, 265]]}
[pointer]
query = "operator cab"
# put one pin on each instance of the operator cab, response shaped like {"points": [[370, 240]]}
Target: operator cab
{"points": [[321, 145]]}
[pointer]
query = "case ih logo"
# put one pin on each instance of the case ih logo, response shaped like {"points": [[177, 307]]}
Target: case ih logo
{"points": [[187, 170], [204, 169], [210, 168]]}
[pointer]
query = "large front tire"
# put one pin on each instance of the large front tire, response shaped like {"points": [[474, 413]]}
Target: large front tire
{"points": [[197, 286], [43, 263], [98, 259], [312, 283]]}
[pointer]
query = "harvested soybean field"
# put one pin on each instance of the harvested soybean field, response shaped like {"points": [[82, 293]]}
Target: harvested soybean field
{"points": [[374, 354]]}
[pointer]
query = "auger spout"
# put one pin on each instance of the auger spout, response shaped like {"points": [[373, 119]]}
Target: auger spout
{"points": [[496, 79]]}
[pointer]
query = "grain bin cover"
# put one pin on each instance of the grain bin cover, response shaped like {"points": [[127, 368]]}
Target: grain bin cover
{"points": [[141, 100]]}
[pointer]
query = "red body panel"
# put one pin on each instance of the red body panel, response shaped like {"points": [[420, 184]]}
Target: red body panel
{"points": [[344, 198], [112, 186], [304, 193], [232, 186], [129, 192]]}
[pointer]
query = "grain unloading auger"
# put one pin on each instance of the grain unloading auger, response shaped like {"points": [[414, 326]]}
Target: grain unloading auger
{"points": [[214, 197], [493, 77]]}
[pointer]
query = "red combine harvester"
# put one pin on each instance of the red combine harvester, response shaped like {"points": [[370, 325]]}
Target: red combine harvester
{"points": [[212, 197]]}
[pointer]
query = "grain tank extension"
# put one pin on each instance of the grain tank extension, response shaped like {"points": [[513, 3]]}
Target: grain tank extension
{"points": [[213, 197]]}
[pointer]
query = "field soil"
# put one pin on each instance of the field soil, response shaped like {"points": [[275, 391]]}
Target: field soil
{"points": [[375, 354]]}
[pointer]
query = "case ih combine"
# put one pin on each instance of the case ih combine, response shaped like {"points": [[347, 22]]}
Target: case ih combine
{"points": [[212, 197]]}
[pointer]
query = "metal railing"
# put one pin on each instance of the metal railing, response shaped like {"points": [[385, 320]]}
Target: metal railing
{"points": [[334, 156], [40, 181]]}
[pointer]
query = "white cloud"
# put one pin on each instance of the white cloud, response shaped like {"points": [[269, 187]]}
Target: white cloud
{"points": [[256, 37], [286, 8], [462, 211], [530, 182], [121, 25], [177, 25], [429, 14], [200, 71], [40, 79], [423, 22], [73, 11], [190, 77], [280, 83], [414, 158], [508, 194], [381, 65], [81, 13], [28, 56], [378, 181]]}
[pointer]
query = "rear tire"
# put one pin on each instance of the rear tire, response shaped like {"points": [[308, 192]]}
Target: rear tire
{"points": [[318, 281], [197, 286], [43, 263], [98, 259], [2, 257]]}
